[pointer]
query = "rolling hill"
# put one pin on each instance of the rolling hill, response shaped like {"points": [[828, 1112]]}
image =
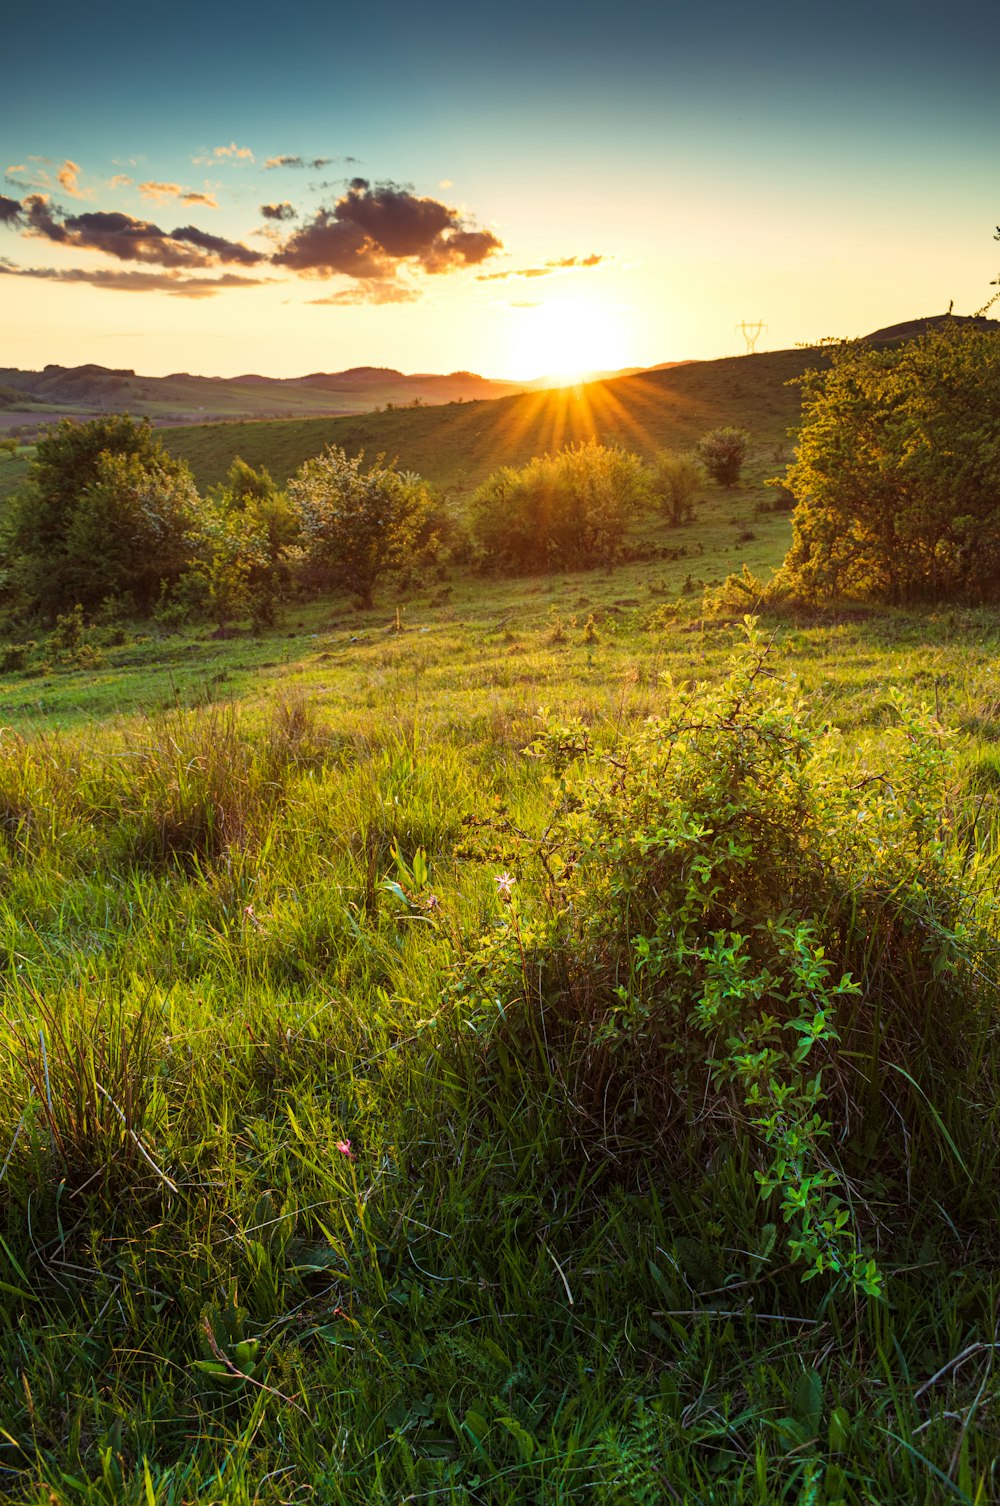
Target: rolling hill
{"points": [[33, 397], [458, 444]]}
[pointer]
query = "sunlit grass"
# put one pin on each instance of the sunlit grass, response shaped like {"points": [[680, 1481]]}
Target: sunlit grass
{"points": [[222, 965]]}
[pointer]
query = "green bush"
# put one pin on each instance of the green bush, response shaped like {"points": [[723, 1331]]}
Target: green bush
{"points": [[106, 511], [355, 524], [571, 510], [674, 483], [723, 452], [896, 471], [744, 949]]}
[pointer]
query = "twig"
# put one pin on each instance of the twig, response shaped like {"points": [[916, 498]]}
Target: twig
{"points": [[239, 1374], [144, 1153]]}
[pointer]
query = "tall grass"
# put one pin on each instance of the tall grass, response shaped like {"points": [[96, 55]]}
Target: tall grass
{"points": [[290, 1212]]}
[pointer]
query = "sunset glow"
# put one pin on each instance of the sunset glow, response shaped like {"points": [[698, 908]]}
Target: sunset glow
{"points": [[568, 340], [364, 191]]}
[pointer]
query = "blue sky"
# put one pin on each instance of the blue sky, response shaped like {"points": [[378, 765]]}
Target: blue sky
{"points": [[660, 171]]}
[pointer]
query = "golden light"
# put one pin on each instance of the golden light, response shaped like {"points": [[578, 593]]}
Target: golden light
{"points": [[567, 339]]}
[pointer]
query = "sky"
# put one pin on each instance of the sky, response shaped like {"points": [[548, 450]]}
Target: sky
{"points": [[518, 190]]}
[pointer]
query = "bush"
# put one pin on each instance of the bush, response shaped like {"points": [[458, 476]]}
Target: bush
{"points": [[723, 452], [356, 525], [240, 550], [674, 481], [106, 511], [566, 511], [745, 954], [895, 476]]}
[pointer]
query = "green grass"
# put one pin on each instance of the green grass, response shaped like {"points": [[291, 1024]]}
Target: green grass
{"points": [[212, 983]]}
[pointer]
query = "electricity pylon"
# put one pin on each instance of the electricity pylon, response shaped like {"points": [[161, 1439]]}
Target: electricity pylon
{"points": [[751, 332]]}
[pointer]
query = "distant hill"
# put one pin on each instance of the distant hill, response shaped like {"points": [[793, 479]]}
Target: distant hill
{"points": [[31, 398]]}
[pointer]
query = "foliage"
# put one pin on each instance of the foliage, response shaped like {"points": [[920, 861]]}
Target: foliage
{"points": [[356, 524], [895, 475], [723, 906], [723, 452], [674, 483], [245, 529], [106, 511], [570, 510], [350, 1273]]}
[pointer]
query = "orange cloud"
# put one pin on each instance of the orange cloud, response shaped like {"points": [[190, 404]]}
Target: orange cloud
{"points": [[232, 150], [177, 284], [160, 193], [68, 176]]}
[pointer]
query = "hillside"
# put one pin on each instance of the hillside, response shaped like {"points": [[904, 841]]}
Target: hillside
{"points": [[29, 398], [458, 444]]}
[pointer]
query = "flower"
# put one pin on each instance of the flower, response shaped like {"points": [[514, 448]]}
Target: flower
{"points": [[505, 885], [344, 1146]]}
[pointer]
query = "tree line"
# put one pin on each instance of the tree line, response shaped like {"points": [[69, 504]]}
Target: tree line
{"points": [[109, 520]]}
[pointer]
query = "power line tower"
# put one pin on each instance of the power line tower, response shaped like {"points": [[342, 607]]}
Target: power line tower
{"points": [[751, 332]]}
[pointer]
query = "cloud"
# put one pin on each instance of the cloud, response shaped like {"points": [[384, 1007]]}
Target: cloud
{"points": [[217, 247], [232, 150], [282, 211], [10, 211], [314, 162], [174, 283], [370, 290], [161, 193], [68, 176], [120, 180], [128, 239], [446, 183], [370, 232], [560, 264]]}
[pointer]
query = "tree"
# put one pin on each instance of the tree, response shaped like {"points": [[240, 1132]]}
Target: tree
{"points": [[674, 481], [722, 452], [355, 524], [245, 529], [896, 471], [106, 510]]}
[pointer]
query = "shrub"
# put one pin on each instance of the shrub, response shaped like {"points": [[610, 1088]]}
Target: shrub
{"points": [[570, 510], [105, 511], [723, 452], [356, 525], [742, 943], [674, 482], [895, 476]]}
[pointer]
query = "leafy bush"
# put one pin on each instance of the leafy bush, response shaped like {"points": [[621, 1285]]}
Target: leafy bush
{"points": [[245, 528], [895, 476], [356, 525], [723, 452], [674, 482], [570, 510], [742, 943], [106, 510]]}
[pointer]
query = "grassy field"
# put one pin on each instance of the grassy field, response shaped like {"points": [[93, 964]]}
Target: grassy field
{"points": [[290, 1210]]}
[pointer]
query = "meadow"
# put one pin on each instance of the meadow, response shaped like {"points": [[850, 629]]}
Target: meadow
{"points": [[304, 1200]]}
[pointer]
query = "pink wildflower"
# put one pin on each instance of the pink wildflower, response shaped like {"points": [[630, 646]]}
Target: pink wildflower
{"points": [[505, 886], [344, 1146]]}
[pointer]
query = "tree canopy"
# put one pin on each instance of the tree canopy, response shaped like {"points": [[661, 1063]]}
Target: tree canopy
{"points": [[897, 471]]}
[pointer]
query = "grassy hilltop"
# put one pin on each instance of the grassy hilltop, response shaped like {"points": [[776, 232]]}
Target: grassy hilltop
{"points": [[407, 1012]]}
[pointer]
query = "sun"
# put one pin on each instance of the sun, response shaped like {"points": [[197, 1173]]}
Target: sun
{"points": [[568, 340]]}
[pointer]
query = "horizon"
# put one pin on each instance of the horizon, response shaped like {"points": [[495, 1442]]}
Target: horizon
{"points": [[545, 199]]}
